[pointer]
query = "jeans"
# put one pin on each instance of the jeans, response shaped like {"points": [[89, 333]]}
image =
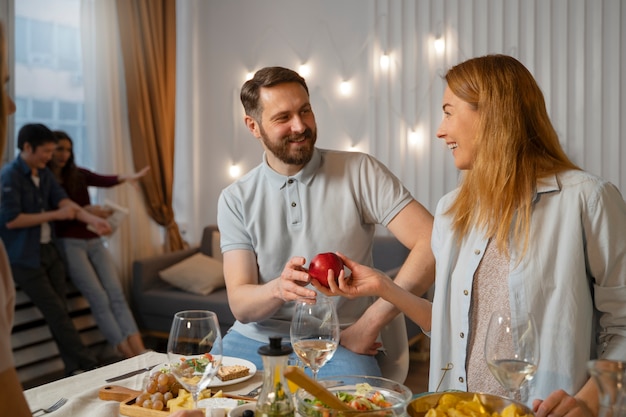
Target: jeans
{"points": [[343, 362], [92, 270], [45, 286]]}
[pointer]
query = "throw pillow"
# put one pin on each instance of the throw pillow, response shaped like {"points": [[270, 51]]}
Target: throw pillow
{"points": [[199, 274]]}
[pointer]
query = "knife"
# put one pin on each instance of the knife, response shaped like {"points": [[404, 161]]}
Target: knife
{"points": [[129, 374]]}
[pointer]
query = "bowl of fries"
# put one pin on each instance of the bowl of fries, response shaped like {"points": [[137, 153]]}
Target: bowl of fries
{"points": [[466, 404]]}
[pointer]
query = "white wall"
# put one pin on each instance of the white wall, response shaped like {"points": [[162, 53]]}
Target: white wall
{"points": [[575, 48]]}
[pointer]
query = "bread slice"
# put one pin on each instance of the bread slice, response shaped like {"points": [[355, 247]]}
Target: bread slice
{"points": [[228, 372]]}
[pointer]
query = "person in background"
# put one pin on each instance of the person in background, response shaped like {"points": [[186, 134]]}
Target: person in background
{"points": [[31, 199], [301, 201], [89, 263], [11, 392], [526, 230]]}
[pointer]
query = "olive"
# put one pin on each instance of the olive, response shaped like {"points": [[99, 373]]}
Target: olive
{"points": [[248, 413]]}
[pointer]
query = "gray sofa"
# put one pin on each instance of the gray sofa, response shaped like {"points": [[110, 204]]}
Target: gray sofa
{"points": [[155, 301]]}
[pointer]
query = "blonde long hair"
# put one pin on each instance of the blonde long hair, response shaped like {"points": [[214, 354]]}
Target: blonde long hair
{"points": [[515, 145]]}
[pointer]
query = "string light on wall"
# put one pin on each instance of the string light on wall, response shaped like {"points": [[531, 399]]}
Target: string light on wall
{"points": [[304, 70], [249, 75], [234, 171], [415, 137], [439, 44], [345, 88], [384, 62]]}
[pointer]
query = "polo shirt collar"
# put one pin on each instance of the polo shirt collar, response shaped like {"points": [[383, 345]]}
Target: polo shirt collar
{"points": [[305, 175]]}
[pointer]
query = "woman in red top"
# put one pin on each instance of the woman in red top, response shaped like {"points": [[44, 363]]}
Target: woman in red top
{"points": [[89, 263]]}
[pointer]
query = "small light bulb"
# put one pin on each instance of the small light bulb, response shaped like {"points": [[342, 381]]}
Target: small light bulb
{"points": [[304, 70], [440, 45], [249, 76], [345, 88], [234, 171], [384, 61]]}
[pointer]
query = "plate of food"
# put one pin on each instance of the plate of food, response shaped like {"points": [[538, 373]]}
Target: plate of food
{"points": [[233, 371]]}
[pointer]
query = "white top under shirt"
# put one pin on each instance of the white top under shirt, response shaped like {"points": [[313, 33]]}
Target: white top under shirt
{"points": [[332, 204], [46, 233]]}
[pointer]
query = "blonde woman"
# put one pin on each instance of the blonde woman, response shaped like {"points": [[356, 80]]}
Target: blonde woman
{"points": [[526, 230]]}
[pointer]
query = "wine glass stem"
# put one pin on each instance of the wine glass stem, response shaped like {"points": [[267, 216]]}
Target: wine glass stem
{"points": [[194, 396], [314, 372]]}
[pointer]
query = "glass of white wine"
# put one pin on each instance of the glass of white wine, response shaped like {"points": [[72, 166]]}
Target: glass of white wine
{"points": [[315, 332], [512, 349], [194, 349]]}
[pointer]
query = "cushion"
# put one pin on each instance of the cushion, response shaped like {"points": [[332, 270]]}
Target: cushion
{"points": [[198, 274], [216, 250]]}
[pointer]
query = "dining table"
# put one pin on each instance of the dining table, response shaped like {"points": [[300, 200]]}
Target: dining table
{"points": [[82, 390]]}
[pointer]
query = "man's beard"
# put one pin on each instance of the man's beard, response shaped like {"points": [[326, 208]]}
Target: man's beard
{"points": [[280, 150]]}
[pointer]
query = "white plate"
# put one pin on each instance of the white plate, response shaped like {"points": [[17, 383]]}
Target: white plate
{"points": [[229, 361]]}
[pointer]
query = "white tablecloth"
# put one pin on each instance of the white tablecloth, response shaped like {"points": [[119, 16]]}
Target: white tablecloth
{"points": [[82, 390]]}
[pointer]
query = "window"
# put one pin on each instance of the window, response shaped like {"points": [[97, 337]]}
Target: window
{"points": [[48, 73]]}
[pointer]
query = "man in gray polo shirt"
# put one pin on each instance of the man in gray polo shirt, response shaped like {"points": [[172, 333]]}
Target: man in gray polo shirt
{"points": [[301, 201]]}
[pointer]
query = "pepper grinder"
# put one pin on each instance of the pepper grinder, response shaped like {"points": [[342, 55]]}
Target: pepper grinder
{"points": [[275, 399]]}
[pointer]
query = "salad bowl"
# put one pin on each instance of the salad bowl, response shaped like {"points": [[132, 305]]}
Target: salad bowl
{"points": [[365, 395]]}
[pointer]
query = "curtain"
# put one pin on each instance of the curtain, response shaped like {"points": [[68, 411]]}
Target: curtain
{"points": [[148, 37], [107, 130]]}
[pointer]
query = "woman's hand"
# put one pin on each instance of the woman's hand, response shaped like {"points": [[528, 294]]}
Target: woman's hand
{"points": [[363, 281], [560, 403], [135, 176]]}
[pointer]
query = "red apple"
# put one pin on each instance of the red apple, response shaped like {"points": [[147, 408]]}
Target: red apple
{"points": [[319, 266]]}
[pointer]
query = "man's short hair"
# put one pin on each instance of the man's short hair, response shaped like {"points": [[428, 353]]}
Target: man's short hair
{"points": [[34, 134], [266, 77]]}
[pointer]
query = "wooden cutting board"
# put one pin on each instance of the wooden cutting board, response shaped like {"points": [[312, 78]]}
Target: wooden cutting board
{"points": [[127, 397]]}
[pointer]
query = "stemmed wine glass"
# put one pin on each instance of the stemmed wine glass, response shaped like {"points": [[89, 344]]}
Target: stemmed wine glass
{"points": [[194, 349], [315, 332], [512, 349]]}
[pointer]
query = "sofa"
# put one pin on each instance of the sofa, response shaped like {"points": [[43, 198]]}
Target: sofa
{"points": [[155, 302]]}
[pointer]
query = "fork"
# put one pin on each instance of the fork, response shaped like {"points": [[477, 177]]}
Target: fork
{"points": [[53, 407], [254, 392]]}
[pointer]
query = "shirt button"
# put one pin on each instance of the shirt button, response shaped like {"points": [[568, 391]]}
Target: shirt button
{"points": [[465, 292], [462, 335], [289, 181], [293, 204], [476, 251], [461, 380]]}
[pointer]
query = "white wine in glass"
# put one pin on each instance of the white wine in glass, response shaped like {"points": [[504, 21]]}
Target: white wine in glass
{"points": [[512, 349], [315, 332], [194, 349]]}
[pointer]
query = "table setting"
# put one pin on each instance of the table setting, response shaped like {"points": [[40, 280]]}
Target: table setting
{"points": [[82, 391]]}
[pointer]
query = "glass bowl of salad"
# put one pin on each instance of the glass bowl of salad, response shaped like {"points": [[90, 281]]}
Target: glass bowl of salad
{"points": [[365, 395]]}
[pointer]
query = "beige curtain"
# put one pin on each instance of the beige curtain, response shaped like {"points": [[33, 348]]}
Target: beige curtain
{"points": [[148, 40]]}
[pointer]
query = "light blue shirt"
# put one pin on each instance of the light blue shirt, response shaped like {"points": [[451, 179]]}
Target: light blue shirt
{"points": [[573, 280], [333, 204]]}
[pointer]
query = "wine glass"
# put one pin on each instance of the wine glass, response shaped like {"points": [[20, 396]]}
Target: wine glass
{"points": [[315, 332], [194, 349], [512, 349]]}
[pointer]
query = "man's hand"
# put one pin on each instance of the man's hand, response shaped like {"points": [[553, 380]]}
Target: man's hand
{"points": [[560, 403], [66, 212], [291, 282]]}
